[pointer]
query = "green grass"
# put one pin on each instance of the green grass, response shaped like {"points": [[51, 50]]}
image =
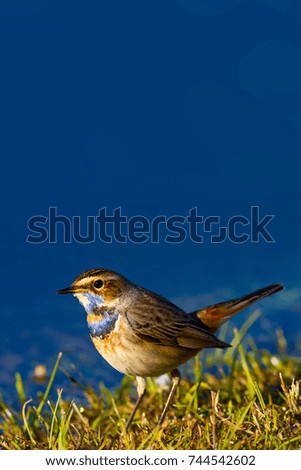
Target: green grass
{"points": [[238, 399]]}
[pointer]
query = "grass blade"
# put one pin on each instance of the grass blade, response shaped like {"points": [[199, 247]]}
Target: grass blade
{"points": [[45, 396]]}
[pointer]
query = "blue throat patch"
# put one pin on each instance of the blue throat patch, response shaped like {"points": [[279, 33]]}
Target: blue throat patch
{"points": [[103, 326], [92, 302]]}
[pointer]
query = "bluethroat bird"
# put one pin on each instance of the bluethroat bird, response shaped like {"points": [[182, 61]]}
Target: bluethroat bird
{"points": [[142, 334]]}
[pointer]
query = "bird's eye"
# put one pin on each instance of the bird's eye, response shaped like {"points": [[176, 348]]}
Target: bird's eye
{"points": [[98, 284]]}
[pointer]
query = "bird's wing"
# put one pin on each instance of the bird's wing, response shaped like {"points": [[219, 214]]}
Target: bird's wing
{"points": [[154, 319]]}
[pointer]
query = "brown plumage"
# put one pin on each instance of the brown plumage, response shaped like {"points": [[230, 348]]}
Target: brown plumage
{"points": [[143, 334], [214, 316]]}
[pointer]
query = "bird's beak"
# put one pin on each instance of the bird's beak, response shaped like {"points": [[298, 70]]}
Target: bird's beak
{"points": [[70, 290]]}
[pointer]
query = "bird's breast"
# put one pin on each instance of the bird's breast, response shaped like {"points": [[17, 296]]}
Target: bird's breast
{"points": [[101, 326], [112, 339], [121, 348]]}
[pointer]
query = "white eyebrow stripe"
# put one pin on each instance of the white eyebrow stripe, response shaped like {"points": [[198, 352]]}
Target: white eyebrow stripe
{"points": [[84, 281]]}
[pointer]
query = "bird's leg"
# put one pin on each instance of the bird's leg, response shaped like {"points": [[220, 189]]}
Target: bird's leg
{"points": [[141, 387], [176, 377]]}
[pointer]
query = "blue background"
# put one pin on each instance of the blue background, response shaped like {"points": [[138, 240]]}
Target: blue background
{"points": [[156, 107]]}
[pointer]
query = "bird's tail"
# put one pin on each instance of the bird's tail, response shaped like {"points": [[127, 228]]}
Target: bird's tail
{"points": [[216, 315]]}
